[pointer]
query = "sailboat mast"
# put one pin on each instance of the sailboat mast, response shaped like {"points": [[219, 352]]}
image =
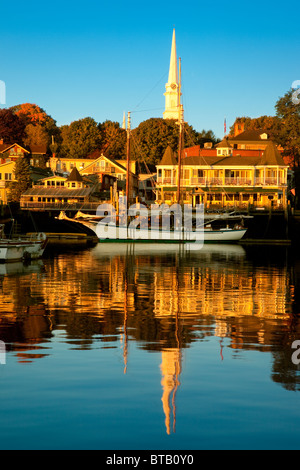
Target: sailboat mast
{"points": [[180, 122], [128, 157]]}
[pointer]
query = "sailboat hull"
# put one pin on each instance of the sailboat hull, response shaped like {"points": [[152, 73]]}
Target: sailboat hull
{"points": [[207, 236]]}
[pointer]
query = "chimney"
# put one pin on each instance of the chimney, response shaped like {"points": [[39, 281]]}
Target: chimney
{"points": [[239, 127]]}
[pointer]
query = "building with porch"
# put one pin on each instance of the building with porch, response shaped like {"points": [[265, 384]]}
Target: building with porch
{"points": [[225, 179], [61, 193]]}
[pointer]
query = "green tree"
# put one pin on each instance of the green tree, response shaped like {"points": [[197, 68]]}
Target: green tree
{"points": [[269, 124], [289, 131], [113, 139], [36, 135], [80, 138], [151, 138], [22, 180]]}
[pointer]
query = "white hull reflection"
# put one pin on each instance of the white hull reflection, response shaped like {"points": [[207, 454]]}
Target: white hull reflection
{"points": [[122, 249], [19, 268]]}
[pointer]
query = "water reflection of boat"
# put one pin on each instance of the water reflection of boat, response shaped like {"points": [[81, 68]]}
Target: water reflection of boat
{"points": [[17, 268], [115, 249]]}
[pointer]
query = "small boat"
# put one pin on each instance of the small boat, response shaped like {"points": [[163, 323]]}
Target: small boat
{"points": [[34, 245], [11, 251], [31, 246]]}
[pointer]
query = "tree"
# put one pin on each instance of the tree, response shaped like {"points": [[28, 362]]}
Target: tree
{"points": [[12, 129], [40, 127], [289, 132], [269, 124], [80, 138], [36, 135], [151, 138], [113, 139], [30, 113], [22, 180]]}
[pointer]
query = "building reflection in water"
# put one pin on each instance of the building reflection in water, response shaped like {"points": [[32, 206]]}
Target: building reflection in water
{"points": [[164, 298]]}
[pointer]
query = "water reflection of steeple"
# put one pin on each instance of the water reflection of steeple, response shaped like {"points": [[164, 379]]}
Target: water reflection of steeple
{"points": [[171, 366], [170, 369]]}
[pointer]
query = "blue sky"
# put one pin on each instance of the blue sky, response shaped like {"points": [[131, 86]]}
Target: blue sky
{"points": [[102, 59]]}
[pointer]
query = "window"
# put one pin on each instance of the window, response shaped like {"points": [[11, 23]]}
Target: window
{"points": [[8, 176]]}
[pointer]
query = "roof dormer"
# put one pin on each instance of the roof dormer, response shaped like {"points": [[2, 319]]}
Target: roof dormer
{"points": [[224, 149]]}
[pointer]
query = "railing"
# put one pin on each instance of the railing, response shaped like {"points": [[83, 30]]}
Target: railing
{"points": [[270, 182], [238, 181], [170, 181], [229, 181], [198, 181]]}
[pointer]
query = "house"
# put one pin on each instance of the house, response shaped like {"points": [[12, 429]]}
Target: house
{"points": [[66, 165], [35, 154], [6, 176], [105, 167], [61, 193], [224, 178]]}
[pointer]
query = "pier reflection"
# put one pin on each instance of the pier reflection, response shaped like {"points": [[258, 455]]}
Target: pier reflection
{"points": [[163, 298]]}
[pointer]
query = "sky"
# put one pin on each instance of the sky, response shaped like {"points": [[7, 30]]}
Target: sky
{"points": [[100, 58]]}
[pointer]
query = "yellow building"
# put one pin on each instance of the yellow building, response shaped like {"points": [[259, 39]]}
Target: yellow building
{"points": [[66, 165], [6, 176], [60, 193], [225, 180]]}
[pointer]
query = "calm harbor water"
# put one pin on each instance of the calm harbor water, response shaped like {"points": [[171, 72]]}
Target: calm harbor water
{"points": [[151, 347]]}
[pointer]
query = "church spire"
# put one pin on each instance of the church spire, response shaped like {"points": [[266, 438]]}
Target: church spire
{"points": [[172, 95], [173, 71]]}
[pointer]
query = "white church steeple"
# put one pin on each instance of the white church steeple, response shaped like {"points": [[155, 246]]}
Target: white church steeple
{"points": [[172, 100]]}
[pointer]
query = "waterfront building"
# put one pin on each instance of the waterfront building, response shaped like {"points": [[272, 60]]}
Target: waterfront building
{"points": [[225, 177], [105, 167], [66, 165], [6, 176], [61, 193], [9, 154], [35, 154]]}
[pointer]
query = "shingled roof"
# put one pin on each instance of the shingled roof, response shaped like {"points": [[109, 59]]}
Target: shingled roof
{"points": [[224, 144], [272, 156], [75, 176], [169, 157], [250, 135]]}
